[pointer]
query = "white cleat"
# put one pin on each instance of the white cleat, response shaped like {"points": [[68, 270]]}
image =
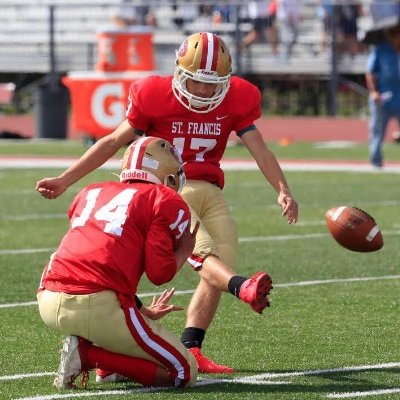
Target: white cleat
{"points": [[70, 364]]}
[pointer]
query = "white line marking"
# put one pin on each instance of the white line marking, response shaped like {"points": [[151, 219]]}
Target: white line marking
{"points": [[277, 285], [312, 223], [344, 280], [327, 371], [23, 376], [227, 165], [255, 379], [241, 240], [348, 395], [25, 251], [24, 304], [299, 237], [281, 237], [32, 217]]}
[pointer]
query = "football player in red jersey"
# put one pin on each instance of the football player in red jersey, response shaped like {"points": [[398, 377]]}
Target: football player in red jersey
{"points": [[118, 232], [196, 109]]}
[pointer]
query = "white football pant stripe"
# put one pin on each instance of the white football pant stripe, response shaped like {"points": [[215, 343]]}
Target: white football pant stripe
{"points": [[155, 346]]}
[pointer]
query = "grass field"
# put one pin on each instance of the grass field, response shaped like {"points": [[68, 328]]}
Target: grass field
{"points": [[297, 150], [333, 328]]}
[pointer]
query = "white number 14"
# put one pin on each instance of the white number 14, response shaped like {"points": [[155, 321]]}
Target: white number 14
{"points": [[114, 212]]}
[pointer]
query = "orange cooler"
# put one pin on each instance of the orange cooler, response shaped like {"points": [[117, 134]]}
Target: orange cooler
{"points": [[125, 50]]}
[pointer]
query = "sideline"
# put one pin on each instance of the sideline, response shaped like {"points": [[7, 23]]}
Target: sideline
{"points": [[227, 165]]}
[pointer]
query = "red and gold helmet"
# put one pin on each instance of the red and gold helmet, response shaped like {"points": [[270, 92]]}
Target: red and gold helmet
{"points": [[153, 160], [203, 57]]}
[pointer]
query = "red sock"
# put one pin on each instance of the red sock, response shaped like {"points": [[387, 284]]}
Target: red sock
{"points": [[134, 368]]}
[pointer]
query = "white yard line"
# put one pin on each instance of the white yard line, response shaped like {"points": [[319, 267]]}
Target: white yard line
{"points": [[30, 217], [349, 395], [260, 379], [277, 285], [25, 251], [227, 165], [327, 371], [241, 240], [23, 376]]}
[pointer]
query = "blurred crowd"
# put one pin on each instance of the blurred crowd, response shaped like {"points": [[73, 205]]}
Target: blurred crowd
{"points": [[275, 22]]}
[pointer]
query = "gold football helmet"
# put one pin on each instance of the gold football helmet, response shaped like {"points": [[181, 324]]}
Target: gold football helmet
{"points": [[203, 57], [153, 160]]}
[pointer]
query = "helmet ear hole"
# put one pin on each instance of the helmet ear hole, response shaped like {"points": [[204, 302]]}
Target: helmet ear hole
{"points": [[171, 182]]}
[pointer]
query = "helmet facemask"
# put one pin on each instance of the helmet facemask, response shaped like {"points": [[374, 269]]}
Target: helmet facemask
{"points": [[205, 58], [196, 103]]}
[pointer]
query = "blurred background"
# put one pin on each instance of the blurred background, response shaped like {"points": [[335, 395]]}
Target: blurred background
{"points": [[66, 65]]}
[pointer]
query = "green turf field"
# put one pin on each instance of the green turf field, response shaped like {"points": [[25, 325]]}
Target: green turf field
{"points": [[333, 328], [296, 150]]}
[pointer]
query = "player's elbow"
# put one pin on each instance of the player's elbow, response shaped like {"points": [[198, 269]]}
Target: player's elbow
{"points": [[160, 277]]}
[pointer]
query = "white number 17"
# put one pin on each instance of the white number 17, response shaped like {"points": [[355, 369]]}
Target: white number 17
{"points": [[196, 144]]}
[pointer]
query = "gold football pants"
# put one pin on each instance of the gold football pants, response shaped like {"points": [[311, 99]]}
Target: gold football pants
{"points": [[217, 234], [102, 319]]}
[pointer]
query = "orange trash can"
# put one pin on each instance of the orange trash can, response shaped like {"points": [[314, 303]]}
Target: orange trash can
{"points": [[125, 50]]}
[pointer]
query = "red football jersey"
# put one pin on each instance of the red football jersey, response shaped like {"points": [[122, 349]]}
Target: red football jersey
{"points": [[200, 138], [117, 232]]}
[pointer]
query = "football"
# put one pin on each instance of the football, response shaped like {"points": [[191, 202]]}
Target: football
{"points": [[354, 229]]}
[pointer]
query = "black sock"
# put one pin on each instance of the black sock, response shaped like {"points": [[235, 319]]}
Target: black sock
{"points": [[235, 284], [193, 337]]}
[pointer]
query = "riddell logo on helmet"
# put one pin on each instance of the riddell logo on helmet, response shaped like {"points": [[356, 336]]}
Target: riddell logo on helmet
{"points": [[206, 72], [134, 175]]}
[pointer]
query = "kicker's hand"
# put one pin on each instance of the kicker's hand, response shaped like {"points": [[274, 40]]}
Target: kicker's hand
{"points": [[51, 188], [290, 208]]}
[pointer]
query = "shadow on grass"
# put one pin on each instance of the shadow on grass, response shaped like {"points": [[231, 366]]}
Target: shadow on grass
{"points": [[292, 385]]}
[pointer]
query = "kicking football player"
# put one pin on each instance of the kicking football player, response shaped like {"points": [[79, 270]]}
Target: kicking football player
{"points": [[196, 109], [119, 231]]}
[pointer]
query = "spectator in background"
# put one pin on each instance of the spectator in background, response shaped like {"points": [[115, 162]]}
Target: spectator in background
{"points": [[263, 17], [128, 14], [288, 14], [223, 12], [325, 15], [346, 17], [383, 82], [220, 13], [380, 9], [185, 13]]}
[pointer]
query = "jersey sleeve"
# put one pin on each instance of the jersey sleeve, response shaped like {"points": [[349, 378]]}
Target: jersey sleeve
{"points": [[249, 110], [171, 219], [134, 111]]}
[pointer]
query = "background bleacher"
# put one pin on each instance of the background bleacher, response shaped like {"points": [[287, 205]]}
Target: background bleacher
{"points": [[24, 38], [299, 85]]}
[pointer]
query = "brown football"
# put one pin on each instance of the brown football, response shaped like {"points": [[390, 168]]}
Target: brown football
{"points": [[354, 229]]}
